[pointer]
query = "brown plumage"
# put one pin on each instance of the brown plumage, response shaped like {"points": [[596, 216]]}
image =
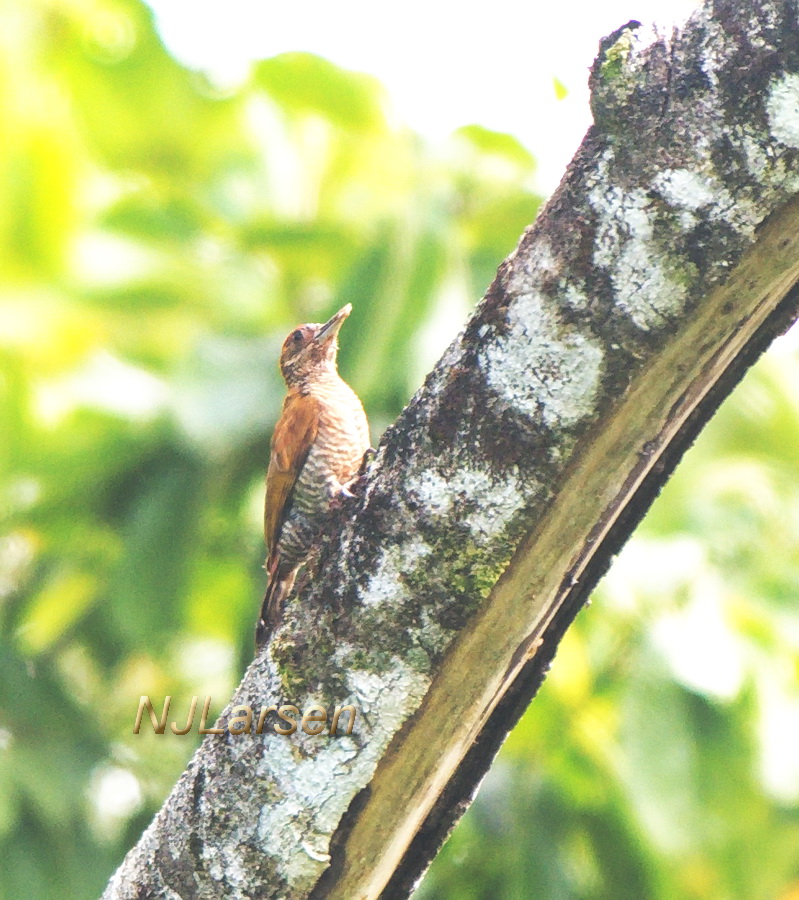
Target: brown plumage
{"points": [[317, 449]]}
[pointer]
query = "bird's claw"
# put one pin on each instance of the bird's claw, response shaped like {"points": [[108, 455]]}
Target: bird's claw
{"points": [[351, 489]]}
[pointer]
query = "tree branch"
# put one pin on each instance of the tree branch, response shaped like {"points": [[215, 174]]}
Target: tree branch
{"points": [[663, 265]]}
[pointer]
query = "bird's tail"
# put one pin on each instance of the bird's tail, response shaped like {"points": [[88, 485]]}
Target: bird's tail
{"points": [[277, 589]]}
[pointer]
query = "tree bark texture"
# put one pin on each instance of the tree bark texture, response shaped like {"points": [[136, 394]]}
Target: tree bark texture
{"points": [[663, 265]]}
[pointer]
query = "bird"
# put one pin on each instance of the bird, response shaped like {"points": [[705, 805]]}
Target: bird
{"points": [[319, 444]]}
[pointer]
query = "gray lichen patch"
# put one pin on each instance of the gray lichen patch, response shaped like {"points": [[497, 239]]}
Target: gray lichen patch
{"points": [[706, 200], [320, 781], [311, 780], [457, 575], [687, 189], [385, 586], [485, 501], [643, 274], [543, 368], [782, 106]]}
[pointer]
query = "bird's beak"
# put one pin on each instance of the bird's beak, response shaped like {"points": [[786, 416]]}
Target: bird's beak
{"points": [[330, 329]]}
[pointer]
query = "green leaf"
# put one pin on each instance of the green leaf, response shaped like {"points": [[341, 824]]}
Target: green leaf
{"points": [[305, 83], [497, 143]]}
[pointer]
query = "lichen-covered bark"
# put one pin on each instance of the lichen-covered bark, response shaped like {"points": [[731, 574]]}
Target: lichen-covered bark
{"points": [[657, 271]]}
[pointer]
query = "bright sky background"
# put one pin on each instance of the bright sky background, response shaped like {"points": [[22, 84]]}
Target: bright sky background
{"points": [[444, 64]]}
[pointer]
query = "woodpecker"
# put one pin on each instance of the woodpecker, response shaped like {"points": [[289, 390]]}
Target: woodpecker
{"points": [[318, 446]]}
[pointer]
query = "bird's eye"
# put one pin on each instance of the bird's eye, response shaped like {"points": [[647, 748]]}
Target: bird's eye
{"points": [[297, 336]]}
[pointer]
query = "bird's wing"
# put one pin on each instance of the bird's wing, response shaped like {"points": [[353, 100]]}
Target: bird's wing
{"points": [[294, 435]]}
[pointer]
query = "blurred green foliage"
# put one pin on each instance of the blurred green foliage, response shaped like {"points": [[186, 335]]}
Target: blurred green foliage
{"points": [[159, 235]]}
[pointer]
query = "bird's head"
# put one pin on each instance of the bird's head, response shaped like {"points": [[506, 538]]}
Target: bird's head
{"points": [[311, 349]]}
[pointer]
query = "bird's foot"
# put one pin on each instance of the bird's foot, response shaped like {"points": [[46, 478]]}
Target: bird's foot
{"points": [[350, 490], [353, 487]]}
